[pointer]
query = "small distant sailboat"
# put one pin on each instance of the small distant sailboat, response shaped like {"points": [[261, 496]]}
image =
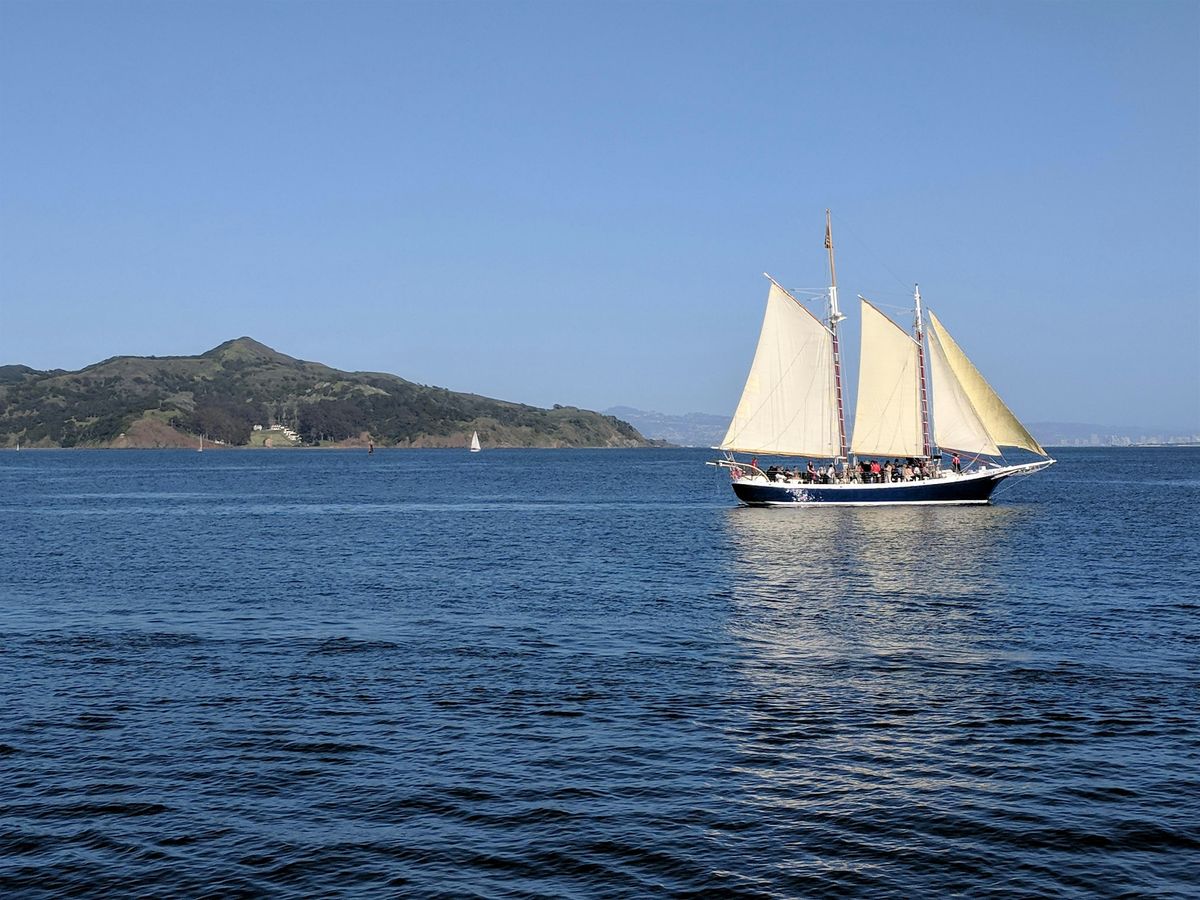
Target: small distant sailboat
{"points": [[792, 406], [475, 448], [201, 447]]}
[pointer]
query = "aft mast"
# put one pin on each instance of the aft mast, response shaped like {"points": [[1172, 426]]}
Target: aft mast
{"points": [[918, 336], [836, 316]]}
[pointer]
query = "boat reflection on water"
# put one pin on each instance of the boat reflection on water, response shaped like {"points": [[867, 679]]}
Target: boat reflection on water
{"points": [[871, 644], [856, 582]]}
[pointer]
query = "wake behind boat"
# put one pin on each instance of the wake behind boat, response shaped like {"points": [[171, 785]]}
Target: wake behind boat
{"points": [[792, 406]]}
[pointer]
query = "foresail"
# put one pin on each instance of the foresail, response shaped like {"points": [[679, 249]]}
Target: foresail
{"points": [[788, 405], [887, 419], [997, 419], [956, 425]]}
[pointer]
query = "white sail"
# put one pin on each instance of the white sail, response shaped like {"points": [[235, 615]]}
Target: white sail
{"points": [[995, 418], [887, 419], [475, 448], [956, 425], [788, 405]]}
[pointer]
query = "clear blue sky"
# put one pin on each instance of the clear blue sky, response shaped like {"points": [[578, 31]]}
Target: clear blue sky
{"points": [[572, 203]]}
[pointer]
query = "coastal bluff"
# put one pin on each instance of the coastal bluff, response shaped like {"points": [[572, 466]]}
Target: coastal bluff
{"points": [[243, 393]]}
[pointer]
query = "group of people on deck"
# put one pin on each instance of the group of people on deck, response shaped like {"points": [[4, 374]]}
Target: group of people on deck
{"points": [[864, 472], [811, 475], [895, 470]]}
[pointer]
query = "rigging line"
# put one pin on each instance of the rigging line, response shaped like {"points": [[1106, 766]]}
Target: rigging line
{"points": [[807, 296], [871, 252], [1010, 481], [906, 309]]}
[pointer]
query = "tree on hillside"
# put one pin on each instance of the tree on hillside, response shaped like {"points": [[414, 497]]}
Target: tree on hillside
{"points": [[227, 421], [329, 420]]}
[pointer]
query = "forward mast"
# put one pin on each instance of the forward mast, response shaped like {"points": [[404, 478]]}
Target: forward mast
{"points": [[835, 316]]}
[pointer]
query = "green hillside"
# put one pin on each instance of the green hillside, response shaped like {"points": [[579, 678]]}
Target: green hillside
{"points": [[224, 393]]}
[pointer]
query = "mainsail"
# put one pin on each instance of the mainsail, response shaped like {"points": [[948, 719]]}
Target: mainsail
{"points": [[788, 405], [967, 414], [887, 419]]}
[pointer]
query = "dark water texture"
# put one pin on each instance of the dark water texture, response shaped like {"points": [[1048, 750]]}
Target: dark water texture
{"points": [[544, 673]]}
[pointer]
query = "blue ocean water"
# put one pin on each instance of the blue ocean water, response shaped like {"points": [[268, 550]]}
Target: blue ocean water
{"points": [[578, 673]]}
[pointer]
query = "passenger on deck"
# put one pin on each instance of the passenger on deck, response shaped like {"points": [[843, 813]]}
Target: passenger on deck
{"points": [[875, 471], [956, 464]]}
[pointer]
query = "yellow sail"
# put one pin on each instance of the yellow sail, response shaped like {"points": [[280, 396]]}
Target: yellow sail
{"points": [[996, 418], [788, 405], [956, 425], [887, 419]]}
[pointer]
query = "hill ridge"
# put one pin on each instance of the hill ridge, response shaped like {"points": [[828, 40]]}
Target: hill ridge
{"points": [[223, 393]]}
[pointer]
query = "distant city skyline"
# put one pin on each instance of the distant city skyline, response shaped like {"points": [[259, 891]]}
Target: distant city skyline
{"points": [[697, 429], [573, 203]]}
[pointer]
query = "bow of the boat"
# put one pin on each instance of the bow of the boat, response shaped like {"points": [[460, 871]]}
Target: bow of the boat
{"points": [[1023, 469]]}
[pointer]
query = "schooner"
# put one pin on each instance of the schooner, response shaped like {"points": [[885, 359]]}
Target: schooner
{"points": [[792, 406]]}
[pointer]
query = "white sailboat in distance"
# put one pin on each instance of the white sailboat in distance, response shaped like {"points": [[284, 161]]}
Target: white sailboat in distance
{"points": [[906, 448], [475, 448]]}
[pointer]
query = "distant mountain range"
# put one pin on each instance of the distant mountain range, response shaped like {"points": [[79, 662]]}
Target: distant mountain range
{"points": [[707, 430], [222, 395], [687, 430]]}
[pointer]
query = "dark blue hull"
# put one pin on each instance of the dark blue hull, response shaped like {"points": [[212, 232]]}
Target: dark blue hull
{"points": [[970, 489]]}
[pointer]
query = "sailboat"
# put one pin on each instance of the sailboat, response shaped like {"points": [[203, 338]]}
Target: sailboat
{"points": [[475, 448], [792, 406]]}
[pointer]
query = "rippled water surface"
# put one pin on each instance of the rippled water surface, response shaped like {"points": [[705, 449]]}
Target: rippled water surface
{"points": [[544, 673]]}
